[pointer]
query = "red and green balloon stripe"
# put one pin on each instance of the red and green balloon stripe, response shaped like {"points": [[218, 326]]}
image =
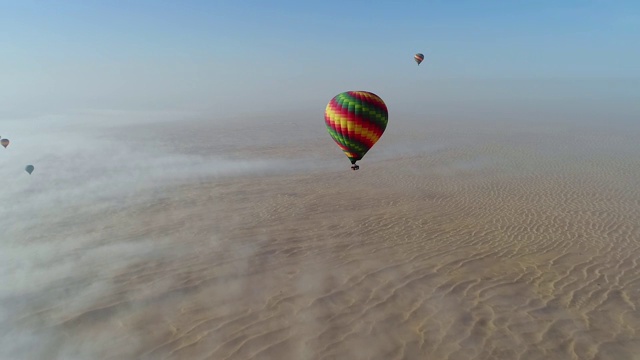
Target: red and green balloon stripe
{"points": [[356, 120], [372, 112], [349, 145], [370, 115]]}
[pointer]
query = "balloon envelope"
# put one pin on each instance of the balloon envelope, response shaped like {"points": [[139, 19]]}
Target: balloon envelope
{"points": [[356, 120], [29, 169], [4, 142], [418, 58]]}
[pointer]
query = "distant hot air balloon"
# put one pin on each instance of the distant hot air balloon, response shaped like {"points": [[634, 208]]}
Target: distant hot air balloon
{"points": [[418, 58], [4, 142], [356, 120], [29, 169]]}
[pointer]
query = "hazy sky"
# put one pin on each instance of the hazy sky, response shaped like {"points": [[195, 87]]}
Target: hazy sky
{"points": [[233, 56]]}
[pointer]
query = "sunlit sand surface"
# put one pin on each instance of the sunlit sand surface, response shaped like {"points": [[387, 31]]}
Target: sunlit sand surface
{"points": [[483, 242]]}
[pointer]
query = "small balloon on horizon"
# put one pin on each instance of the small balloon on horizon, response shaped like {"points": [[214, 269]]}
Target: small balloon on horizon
{"points": [[29, 169]]}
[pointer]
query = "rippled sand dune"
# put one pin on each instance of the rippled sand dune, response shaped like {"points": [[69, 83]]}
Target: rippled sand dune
{"points": [[510, 243]]}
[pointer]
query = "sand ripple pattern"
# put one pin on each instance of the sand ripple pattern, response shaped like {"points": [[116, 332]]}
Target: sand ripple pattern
{"points": [[498, 249]]}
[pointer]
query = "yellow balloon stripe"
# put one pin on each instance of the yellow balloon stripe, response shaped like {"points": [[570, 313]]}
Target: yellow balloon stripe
{"points": [[338, 121]]}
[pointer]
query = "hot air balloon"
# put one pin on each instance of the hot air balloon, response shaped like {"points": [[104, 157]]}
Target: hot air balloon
{"points": [[29, 169], [418, 58], [356, 120], [4, 142]]}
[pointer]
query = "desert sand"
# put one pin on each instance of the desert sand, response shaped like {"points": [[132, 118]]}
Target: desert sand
{"points": [[455, 240]]}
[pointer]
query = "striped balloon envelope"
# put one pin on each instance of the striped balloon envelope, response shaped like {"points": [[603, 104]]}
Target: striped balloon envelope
{"points": [[418, 58], [356, 120]]}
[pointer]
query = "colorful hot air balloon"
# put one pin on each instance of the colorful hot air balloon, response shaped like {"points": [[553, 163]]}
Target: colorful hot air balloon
{"points": [[418, 58], [29, 169], [4, 142], [356, 120]]}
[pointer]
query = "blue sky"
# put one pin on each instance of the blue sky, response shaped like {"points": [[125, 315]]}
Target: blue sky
{"points": [[231, 56]]}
